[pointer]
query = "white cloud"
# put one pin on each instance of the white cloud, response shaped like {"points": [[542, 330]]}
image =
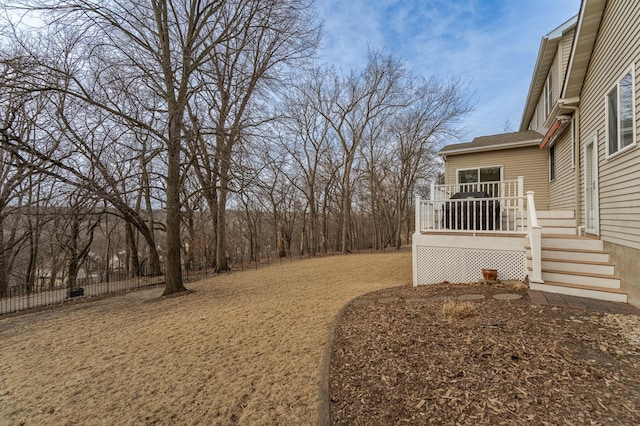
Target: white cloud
{"points": [[491, 44]]}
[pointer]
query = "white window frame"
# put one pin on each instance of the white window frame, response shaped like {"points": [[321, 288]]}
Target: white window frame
{"points": [[500, 167], [616, 86], [478, 170]]}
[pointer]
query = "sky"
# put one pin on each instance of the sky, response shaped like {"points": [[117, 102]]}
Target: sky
{"points": [[492, 45]]}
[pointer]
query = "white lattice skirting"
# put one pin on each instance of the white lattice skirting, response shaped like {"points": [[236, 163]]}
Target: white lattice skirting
{"points": [[459, 265]]}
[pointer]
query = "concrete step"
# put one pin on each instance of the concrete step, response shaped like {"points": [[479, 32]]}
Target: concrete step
{"points": [[575, 265], [599, 293]]}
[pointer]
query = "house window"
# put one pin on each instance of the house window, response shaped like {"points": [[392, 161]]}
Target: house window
{"points": [[548, 94], [620, 115], [480, 180], [552, 162]]}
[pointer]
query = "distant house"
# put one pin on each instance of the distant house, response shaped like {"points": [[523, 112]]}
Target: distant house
{"points": [[577, 209]]}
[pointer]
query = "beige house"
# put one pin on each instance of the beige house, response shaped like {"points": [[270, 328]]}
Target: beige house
{"points": [[500, 158], [580, 226]]}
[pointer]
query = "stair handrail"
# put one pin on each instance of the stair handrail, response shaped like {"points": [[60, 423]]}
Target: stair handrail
{"points": [[535, 239]]}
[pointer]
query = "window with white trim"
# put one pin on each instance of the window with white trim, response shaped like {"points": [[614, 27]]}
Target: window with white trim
{"points": [[621, 114], [480, 179]]}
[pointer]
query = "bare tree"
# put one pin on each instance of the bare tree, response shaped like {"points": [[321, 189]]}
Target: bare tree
{"points": [[273, 36], [162, 43], [306, 140], [18, 114], [351, 105], [75, 233]]}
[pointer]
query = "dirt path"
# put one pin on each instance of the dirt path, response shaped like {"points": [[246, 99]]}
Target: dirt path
{"points": [[244, 348]]}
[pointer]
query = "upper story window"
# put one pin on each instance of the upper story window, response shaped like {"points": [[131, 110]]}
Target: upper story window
{"points": [[548, 94], [621, 114]]}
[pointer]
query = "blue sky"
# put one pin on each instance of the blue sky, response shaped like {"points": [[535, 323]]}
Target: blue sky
{"points": [[491, 44]]}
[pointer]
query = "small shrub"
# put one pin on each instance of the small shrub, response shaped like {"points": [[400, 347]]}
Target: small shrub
{"points": [[453, 309]]}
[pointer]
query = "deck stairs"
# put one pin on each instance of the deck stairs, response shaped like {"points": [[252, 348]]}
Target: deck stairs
{"points": [[572, 264]]}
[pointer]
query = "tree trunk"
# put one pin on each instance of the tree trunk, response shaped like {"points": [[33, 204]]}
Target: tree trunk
{"points": [[133, 263], [175, 108], [72, 273], [346, 206], [173, 276], [221, 250]]}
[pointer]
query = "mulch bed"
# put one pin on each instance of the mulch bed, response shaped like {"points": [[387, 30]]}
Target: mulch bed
{"points": [[397, 358]]}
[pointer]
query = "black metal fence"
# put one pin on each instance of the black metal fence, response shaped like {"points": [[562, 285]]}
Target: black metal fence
{"points": [[21, 297]]}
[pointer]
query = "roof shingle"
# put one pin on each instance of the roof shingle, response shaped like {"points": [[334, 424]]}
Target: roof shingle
{"points": [[494, 142]]}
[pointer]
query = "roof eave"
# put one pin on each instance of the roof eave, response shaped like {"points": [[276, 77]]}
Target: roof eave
{"points": [[529, 106], [546, 55], [590, 16], [497, 147]]}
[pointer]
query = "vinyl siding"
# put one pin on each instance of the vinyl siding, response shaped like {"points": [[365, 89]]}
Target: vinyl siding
{"points": [[558, 70], [562, 190], [616, 49], [530, 162], [540, 116]]}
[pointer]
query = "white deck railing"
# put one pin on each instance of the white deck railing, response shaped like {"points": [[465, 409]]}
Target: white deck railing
{"points": [[492, 206], [496, 207]]}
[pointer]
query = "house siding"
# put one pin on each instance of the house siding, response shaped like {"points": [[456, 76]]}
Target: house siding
{"points": [[616, 50], [530, 162], [562, 190], [558, 70]]}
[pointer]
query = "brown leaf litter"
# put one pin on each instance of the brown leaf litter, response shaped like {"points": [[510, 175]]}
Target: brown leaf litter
{"points": [[410, 360]]}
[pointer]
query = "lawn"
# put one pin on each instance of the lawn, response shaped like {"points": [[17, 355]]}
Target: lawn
{"points": [[247, 347]]}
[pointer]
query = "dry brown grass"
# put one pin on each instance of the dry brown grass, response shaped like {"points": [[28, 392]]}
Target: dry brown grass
{"points": [[243, 348], [454, 309]]}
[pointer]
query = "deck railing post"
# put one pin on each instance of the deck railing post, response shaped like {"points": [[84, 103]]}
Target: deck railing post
{"points": [[535, 239], [418, 213], [520, 193]]}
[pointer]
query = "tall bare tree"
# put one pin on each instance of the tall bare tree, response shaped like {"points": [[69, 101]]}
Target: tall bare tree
{"points": [[165, 44], [351, 105], [237, 80]]}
